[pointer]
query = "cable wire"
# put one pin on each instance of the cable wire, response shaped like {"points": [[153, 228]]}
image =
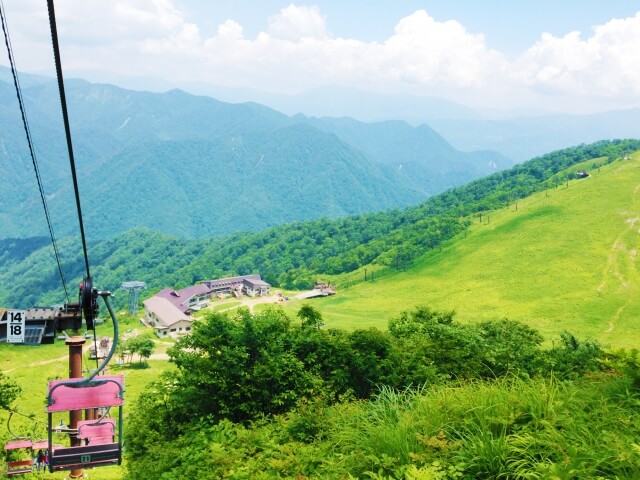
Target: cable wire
{"points": [[27, 131], [65, 116]]}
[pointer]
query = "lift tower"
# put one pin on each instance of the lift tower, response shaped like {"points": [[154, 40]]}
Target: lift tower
{"points": [[133, 288]]}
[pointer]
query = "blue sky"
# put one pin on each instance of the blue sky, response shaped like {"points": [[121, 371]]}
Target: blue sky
{"points": [[564, 55]]}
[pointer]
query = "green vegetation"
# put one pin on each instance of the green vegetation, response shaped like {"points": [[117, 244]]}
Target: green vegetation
{"points": [[293, 256], [261, 397], [141, 346], [564, 260], [9, 391], [431, 393]]}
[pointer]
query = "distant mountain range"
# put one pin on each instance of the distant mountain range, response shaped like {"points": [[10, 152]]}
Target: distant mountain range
{"points": [[193, 166], [518, 134]]}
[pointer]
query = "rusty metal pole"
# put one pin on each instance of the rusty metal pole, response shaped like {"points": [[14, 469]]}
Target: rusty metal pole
{"points": [[75, 371]]}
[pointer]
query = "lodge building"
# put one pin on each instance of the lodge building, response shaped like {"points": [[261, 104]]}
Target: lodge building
{"points": [[169, 311]]}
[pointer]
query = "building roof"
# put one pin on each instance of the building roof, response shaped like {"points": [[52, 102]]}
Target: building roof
{"points": [[230, 280], [165, 311], [180, 298], [256, 282]]}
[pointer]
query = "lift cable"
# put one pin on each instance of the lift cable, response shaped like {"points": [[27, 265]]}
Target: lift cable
{"points": [[13, 412], [27, 131], [65, 116], [87, 296]]}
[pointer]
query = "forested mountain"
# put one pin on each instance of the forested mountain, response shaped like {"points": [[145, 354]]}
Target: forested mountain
{"points": [[293, 255], [517, 134], [193, 166], [408, 150]]}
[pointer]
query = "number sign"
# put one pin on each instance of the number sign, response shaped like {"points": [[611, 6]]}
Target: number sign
{"points": [[15, 326]]}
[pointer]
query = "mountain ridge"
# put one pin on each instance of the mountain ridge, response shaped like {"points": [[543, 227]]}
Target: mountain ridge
{"points": [[113, 128]]}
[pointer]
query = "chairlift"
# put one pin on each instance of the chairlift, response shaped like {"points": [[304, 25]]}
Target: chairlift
{"points": [[96, 444], [21, 461], [20, 451]]}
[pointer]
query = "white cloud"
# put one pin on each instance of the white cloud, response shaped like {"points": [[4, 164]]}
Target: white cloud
{"points": [[428, 52], [295, 23], [606, 64], [297, 52]]}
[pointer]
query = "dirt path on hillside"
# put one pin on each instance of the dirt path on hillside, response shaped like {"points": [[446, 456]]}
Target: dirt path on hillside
{"points": [[612, 274], [46, 362]]}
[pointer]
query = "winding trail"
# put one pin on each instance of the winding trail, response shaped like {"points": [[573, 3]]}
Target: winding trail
{"points": [[619, 258]]}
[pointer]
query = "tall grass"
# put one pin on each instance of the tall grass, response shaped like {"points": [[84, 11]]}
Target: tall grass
{"points": [[381, 433], [508, 428]]}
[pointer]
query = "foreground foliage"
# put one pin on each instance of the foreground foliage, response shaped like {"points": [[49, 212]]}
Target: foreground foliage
{"points": [[262, 396]]}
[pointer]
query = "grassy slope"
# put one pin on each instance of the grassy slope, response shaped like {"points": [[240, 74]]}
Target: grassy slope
{"points": [[565, 259]]}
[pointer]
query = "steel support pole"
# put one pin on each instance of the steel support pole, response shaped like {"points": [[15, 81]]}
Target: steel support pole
{"points": [[75, 371]]}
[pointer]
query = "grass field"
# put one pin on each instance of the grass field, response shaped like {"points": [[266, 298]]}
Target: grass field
{"points": [[565, 259]]}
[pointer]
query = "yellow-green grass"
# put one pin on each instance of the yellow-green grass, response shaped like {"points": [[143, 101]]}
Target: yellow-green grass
{"points": [[565, 259]]}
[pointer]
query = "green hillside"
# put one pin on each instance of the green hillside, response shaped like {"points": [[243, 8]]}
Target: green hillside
{"points": [[294, 256], [565, 258], [427, 397]]}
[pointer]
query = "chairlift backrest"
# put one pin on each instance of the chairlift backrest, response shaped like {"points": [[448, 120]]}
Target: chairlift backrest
{"points": [[42, 445], [97, 432], [18, 443], [77, 394]]}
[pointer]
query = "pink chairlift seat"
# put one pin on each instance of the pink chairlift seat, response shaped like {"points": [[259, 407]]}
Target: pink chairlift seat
{"points": [[15, 444], [97, 432]]}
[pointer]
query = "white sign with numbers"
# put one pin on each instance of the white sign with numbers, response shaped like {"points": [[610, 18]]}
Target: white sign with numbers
{"points": [[15, 326]]}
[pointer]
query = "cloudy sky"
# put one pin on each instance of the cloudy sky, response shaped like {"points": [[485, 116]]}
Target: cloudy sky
{"points": [[567, 55]]}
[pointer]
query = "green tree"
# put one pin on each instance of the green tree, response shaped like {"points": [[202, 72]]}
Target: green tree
{"points": [[241, 367], [9, 391], [142, 346], [371, 362], [310, 317], [509, 347]]}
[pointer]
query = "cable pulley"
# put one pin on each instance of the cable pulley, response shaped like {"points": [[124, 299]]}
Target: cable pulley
{"points": [[89, 302]]}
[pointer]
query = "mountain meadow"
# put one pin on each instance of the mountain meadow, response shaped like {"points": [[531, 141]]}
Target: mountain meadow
{"points": [[487, 332]]}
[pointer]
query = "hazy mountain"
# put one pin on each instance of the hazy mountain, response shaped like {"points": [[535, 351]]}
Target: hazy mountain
{"points": [[419, 154], [194, 166], [367, 106], [518, 134], [525, 138]]}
